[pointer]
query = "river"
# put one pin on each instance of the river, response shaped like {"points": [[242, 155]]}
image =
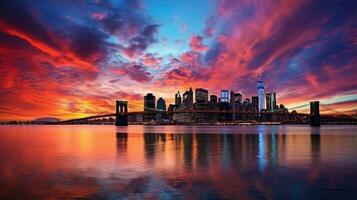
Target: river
{"points": [[178, 162]]}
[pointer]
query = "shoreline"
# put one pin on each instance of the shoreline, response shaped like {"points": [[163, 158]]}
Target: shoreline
{"points": [[180, 124]]}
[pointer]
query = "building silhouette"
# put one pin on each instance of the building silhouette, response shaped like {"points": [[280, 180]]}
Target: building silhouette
{"points": [[268, 102], [261, 95], [224, 96], [236, 101], [231, 98], [273, 102], [246, 104], [161, 105], [149, 105], [188, 99], [213, 101], [201, 96], [255, 103], [149, 102], [178, 99], [227, 102]]}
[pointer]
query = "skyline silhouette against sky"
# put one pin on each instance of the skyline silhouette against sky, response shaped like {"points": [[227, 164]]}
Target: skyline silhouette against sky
{"points": [[70, 59]]}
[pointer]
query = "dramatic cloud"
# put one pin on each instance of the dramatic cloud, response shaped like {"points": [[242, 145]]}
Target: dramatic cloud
{"points": [[197, 45], [152, 61], [134, 71], [49, 49], [66, 59], [139, 43]]}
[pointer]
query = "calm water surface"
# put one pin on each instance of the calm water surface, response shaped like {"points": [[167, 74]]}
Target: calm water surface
{"points": [[178, 162]]}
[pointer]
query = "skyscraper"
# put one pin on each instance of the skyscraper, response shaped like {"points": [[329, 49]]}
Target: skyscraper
{"points": [[246, 104], [261, 95], [213, 101], [273, 101], [232, 98], [161, 105], [224, 96], [149, 102], [178, 99], [149, 105], [236, 101], [268, 101], [201, 95], [224, 105], [255, 103], [188, 99]]}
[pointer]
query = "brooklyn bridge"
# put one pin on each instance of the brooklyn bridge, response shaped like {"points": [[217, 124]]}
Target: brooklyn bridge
{"points": [[313, 117]]}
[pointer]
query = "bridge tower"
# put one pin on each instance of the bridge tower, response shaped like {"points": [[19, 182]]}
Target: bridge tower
{"points": [[121, 117], [314, 113]]}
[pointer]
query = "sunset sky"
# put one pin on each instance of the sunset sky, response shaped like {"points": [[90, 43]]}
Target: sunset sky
{"points": [[70, 59]]}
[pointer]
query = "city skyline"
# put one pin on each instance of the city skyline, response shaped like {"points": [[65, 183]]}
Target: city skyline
{"points": [[265, 100], [74, 59]]}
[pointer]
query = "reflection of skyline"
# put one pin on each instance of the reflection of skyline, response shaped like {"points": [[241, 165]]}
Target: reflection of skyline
{"points": [[267, 148], [221, 161], [212, 162]]}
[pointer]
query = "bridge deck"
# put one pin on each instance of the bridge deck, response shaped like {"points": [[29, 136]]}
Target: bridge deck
{"points": [[195, 112]]}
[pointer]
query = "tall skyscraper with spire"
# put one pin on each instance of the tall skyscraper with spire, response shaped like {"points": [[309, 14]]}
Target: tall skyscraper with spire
{"points": [[178, 99], [261, 94]]}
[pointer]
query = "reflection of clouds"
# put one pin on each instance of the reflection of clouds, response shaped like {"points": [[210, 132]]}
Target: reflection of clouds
{"points": [[162, 164]]}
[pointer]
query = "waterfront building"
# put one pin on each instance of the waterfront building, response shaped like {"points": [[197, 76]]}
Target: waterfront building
{"points": [[178, 99], [255, 103], [149, 102], [273, 102], [161, 105], [224, 96], [261, 95], [188, 99], [268, 102], [246, 104], [236, 103], [201, 95], [224, 105], [213, 101], [232, 99], [238, 97], [149, 105]]}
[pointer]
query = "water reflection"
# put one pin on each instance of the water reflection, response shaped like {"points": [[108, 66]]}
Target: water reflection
{"points": [[260, 150], [253, 162], [251, 165], [315, 144], [122, 142]]}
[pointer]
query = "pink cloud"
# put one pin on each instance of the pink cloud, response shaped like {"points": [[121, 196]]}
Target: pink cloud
{"points": [[196, 44], [134, 71], [99, 16], [152, 61]]}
